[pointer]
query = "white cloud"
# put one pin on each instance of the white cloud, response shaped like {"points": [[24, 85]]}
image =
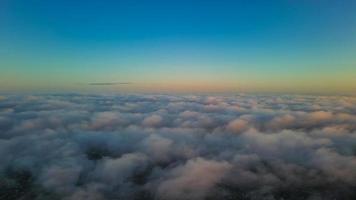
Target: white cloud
{"points": [[177, 147]]}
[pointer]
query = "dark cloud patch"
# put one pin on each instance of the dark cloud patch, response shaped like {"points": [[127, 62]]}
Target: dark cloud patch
{"points": [[109, 83], [177, 147]]}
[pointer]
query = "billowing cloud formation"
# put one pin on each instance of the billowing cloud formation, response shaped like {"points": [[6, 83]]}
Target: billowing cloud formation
{"points": [[177, 147]]}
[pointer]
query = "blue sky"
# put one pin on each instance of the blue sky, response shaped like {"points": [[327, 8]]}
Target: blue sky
{"points": [[179, 45]]}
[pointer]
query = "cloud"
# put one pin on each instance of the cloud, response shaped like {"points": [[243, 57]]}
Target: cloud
{"points": [[237, 125], [194, 180], [152, 121], [109, 83], [76, 146], [115, 171], [106, 120]]}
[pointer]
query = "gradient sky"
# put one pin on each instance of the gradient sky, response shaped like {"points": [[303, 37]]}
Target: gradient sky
{"points": [[183, 46]]}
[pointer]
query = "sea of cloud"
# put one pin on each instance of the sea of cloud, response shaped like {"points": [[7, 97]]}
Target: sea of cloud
{"points": [[174, 147]]}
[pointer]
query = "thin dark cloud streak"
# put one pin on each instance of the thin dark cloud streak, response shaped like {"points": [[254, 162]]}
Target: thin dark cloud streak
{"points": [[109, 83]]}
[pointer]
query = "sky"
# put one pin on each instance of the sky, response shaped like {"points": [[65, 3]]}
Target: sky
{"points": [[287, 46]]}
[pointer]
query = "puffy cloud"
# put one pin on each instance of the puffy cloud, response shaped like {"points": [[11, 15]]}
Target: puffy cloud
{"points": [[76, 146], [106, 120], [319, 116], [61, 179], [115, 171], [237, 125], [152, 121], [281, 122], [158, 147], [194, 180]]}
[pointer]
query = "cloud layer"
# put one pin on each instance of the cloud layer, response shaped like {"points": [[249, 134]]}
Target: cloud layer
{"points": [[177, 147]]}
